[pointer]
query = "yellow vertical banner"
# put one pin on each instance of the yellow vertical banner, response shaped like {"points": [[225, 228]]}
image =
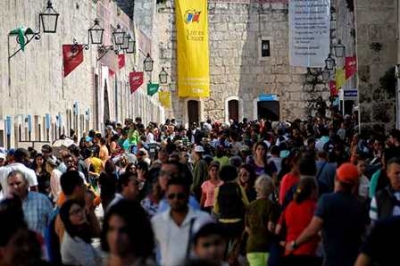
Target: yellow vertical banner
{"points": [[165, 98], [192, 48], [340, 77]]}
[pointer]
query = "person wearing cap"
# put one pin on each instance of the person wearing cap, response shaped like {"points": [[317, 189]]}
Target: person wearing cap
{"points": [[342, 219], [20, 158], [200, 171]]}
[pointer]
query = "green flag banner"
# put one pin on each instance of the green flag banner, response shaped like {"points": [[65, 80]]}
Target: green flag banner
{"points": [[21, 32], [152, 88]]}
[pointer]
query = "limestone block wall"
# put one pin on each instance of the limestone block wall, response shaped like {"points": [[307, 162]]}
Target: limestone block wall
{"points": [[236, 67], [377, 48]]}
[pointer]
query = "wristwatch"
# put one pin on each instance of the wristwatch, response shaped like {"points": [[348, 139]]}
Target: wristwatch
{"points": [[294, 244]]}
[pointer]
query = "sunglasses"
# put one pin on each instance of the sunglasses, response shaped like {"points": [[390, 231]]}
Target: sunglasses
{"points": [[179, 196]]}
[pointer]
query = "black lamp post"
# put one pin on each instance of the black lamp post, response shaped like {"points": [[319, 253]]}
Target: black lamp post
{"points": [[330, 63], [163, 76], [48, 18], [131, 45], [339, 49], [125, 45], [119, 36], [96, 33], [148, 64]]}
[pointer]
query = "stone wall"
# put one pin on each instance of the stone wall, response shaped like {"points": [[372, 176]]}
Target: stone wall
{"points": [[377, 46], [37, 85], [236, 67]]}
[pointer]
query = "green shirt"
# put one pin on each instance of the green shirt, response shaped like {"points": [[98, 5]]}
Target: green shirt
{"points": [[258, 214]]}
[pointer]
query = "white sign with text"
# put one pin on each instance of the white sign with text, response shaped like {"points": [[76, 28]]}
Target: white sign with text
{"points": [[309, 32]]}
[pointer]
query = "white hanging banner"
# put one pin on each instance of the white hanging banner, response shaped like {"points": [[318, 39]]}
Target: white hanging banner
{"points": [[309, 32]]}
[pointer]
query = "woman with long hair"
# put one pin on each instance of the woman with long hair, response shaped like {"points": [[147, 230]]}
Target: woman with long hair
{"points": [[291, 178], [208, 187], [259, 160], [108, 183], [295, 218], [43, 177], [115, 149], [127, 235], [76, 247], [247, 177]]}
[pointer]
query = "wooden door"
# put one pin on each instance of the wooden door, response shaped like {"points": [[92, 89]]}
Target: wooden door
{"points": [[233, 110], [193, 111]]}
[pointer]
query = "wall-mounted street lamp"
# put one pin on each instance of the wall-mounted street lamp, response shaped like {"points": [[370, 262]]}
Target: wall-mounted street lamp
{"points": [[339, 49], [96, 33], [330, 63], [148, 64], [49, 18], [119, 36], [163, 76]]}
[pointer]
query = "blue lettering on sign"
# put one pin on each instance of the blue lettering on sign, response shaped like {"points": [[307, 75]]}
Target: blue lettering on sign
{"points": [[268, 97], [350, 93]]}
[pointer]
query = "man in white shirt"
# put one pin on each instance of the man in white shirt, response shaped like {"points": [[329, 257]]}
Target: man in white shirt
{"points": [[174, 228], [20, 157]]}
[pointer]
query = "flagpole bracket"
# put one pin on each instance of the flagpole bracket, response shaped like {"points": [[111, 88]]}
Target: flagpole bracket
{"points": [[35, 36], [103, 50]]}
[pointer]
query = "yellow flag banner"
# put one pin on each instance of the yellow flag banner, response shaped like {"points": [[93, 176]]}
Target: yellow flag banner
{"points": [[340, 78], [192, 48], [165, 98]]}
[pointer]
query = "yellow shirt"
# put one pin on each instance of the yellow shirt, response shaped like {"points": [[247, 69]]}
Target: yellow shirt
{"points": [[97, 164]]}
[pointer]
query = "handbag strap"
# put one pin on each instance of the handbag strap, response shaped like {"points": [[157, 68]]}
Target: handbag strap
{"points": [[190, 237], [320, 170]]}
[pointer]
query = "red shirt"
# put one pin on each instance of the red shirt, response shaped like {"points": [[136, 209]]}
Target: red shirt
{"points": [[288, 181], [296, 217]]}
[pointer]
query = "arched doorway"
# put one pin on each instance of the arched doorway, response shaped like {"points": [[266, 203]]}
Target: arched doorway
{"points": [[233, 110], [193, 111]]}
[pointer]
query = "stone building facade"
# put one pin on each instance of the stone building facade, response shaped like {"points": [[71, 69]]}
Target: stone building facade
{"points": [[377, 26], [33, 88], [243, 81]]}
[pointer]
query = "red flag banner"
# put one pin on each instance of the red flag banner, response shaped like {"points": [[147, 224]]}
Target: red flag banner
{"points": [[332, 88], [135, 80], [72, 57], [350, 66], [121, 61]]}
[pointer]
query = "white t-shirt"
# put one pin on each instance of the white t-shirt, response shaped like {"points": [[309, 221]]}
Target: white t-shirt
{"points": [[5, 170], [172, 239]]}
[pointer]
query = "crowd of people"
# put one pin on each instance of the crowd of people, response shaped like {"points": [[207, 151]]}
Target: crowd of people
{"points": [[313, 192]]}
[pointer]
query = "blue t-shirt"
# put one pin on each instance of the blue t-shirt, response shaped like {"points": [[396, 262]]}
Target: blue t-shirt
{"points": [[344, 220]]}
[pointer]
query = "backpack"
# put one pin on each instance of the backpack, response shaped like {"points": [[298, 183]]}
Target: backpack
{"points": [[230, 201], [52, 240]]}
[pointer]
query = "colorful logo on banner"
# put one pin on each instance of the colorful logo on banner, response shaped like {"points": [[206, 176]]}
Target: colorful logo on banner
{"points": [[72, 57], [192, 48], [135, 80], [192, 16], [165, 98], [152, 88], [350, 66]]}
